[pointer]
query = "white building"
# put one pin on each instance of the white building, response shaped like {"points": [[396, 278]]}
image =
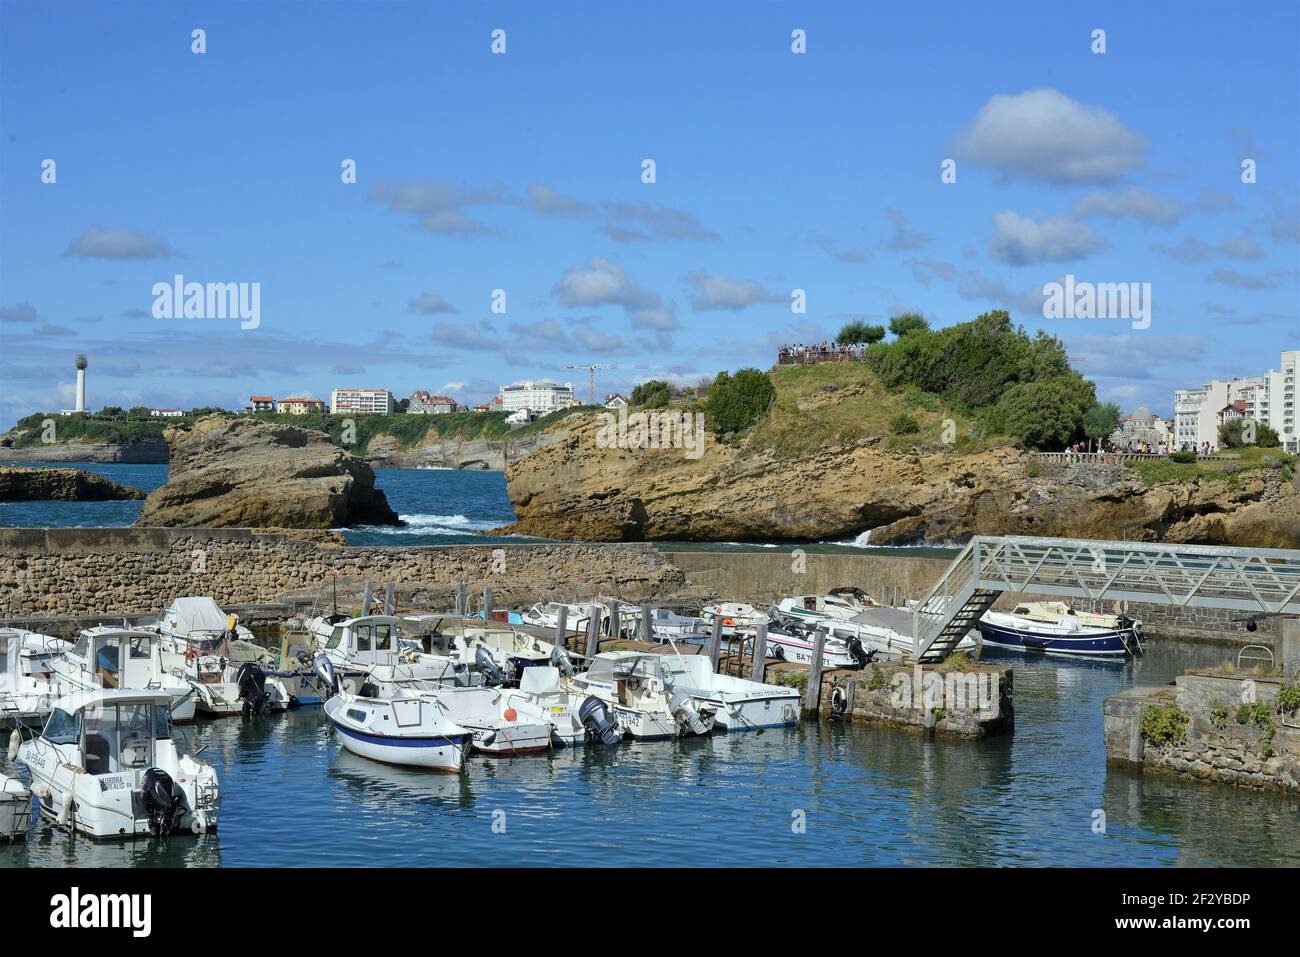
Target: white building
{"points": [[1270, 399], [540, 397], [362, 402]]}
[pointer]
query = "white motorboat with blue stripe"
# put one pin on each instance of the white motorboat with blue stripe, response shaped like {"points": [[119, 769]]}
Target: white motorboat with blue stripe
{"points": [[404, 727]]}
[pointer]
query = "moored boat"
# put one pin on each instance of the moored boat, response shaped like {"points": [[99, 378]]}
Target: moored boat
{"points": [[1056, 628], [106, 658], [106, 765], [637, 691], [15, 808], [737, 703]]}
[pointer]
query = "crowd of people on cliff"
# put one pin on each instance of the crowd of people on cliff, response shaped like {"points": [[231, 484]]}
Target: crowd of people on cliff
{"points": [[799, 353]]}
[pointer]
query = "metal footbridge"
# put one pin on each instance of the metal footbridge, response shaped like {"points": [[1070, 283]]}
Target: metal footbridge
{"points": [[1256, 581]]}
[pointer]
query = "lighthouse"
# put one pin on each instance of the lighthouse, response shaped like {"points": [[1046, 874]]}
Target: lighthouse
{"points": [[81, 383]]}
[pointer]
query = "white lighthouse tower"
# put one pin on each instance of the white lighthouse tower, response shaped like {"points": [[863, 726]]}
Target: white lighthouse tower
{"points": [[81, 383]]}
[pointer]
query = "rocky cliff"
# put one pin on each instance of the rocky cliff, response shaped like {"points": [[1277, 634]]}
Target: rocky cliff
{"points": [[246, 473], [136, 453], [74, 485], [570, 488]]}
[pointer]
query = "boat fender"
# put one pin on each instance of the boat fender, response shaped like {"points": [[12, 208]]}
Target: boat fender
{"points": [[839, 700], [511, 714], [14, 740], [778, 653]]}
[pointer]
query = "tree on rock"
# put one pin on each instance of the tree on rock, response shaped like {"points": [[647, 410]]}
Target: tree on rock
{"points": [[737, 402], [858, 333]]}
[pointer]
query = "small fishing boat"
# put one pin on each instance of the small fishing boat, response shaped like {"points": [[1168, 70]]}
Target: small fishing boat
{"points": [[735, 615], [106, 765], [737, 704], [841, 604], [1054, 627], [36, 651], [542, 686], [636, 690], [196, 644], [495, 652], [576, 621], [794, 642], [402, 727], [361, 648], [107, 658], [23, 697], [667, 625], [15, 807]]}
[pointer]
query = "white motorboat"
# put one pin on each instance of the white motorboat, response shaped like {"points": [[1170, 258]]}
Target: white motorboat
{"points": [[106, 765], [636, 690], [372, 646], [735, 616], [883, 632], [795, 644], [37, 650], [1056, 628], [542, 686], [15, 808], [737, 703], [576, 621], [667, 625], [840, 604], [497, 652], [23, 697], [106, 658], [404, 726], [196, 636]]}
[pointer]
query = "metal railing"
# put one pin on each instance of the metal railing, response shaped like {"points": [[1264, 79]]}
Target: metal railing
{"points": [[1250, 580]]}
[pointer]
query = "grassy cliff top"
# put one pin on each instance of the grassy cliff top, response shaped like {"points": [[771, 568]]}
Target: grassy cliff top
{"points": [[408, 430]]}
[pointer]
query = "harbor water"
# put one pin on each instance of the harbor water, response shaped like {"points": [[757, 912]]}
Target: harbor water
{"points": [[826, 794]]}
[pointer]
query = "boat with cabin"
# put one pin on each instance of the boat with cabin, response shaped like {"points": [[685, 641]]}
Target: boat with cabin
{"points": [[841, 604], [196, 644], [24, 697], [106, 658], [636, 689], [737, 703], [106, 764]]}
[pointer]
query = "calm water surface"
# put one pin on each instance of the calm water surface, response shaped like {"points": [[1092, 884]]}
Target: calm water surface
{"points": [[291, 796]]}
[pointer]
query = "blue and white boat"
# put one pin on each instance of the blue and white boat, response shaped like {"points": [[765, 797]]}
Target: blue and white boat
{"points": [[1055, 628], [403, 727]]}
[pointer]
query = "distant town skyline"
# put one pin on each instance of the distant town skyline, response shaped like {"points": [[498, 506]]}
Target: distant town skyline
{"points": [[500, 226]]}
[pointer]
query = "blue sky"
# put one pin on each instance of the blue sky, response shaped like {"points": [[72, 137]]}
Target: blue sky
{"points": [[523, 172]]}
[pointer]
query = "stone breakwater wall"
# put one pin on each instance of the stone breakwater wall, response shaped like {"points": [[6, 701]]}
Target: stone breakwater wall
{"points": [[1220, 740], [75, 572], [975, 703]]}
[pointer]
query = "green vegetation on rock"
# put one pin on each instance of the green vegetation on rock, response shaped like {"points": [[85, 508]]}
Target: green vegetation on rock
{"points": [[1163, 725]]}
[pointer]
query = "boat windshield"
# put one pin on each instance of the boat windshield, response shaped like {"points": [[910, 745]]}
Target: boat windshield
{"points": [[336, 637], [216, 645], [62, 728], [118, 737]]}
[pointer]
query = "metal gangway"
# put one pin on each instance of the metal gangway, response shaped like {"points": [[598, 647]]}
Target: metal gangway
{"points": [[1255, 581]]}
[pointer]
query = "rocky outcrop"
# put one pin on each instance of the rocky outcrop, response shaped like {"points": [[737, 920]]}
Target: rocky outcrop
{"points": [[570, 488], [136, 453], [383, 451], [251, 474], [71, 485]]}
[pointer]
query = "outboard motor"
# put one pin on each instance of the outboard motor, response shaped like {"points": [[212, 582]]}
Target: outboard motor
{"points": [[596, 719], [560, 658], [488, 667], [251, 681], [324, 669], [163, 800], [860, 655], [686, 711]]}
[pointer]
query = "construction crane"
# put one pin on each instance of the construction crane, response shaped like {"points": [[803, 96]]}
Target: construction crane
{"points": [[591, 378]]}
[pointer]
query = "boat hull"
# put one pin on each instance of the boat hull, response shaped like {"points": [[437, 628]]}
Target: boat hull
{"points": [[15, 809], [1101, 643], [444, 753], [753, 714]]}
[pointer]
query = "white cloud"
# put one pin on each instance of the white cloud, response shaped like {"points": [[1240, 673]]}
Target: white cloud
{"points": [[722, 292], [1133, 203], [429, 303], [112, 243], [1020, 240], [1045, 135], [600, 282]]}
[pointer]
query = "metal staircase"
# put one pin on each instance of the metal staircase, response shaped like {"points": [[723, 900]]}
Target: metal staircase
{"points": [[1256, 581]]}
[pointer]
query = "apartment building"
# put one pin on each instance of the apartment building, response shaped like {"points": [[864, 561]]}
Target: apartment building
{"points": [[1270, 398], [362, 402], [261, 403], [540, 397], [299, 405]]}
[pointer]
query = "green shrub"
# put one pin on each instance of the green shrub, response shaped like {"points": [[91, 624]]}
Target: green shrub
{"points": [[651, 395], [904, 424], [1163, 724], [1287, 699], [1183, 457], [1033, 470], [1219, 716], [877, 679], [737, 402]]}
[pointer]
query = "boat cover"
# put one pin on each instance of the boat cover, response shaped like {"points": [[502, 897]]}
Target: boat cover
{"points": [[193, 614]]}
